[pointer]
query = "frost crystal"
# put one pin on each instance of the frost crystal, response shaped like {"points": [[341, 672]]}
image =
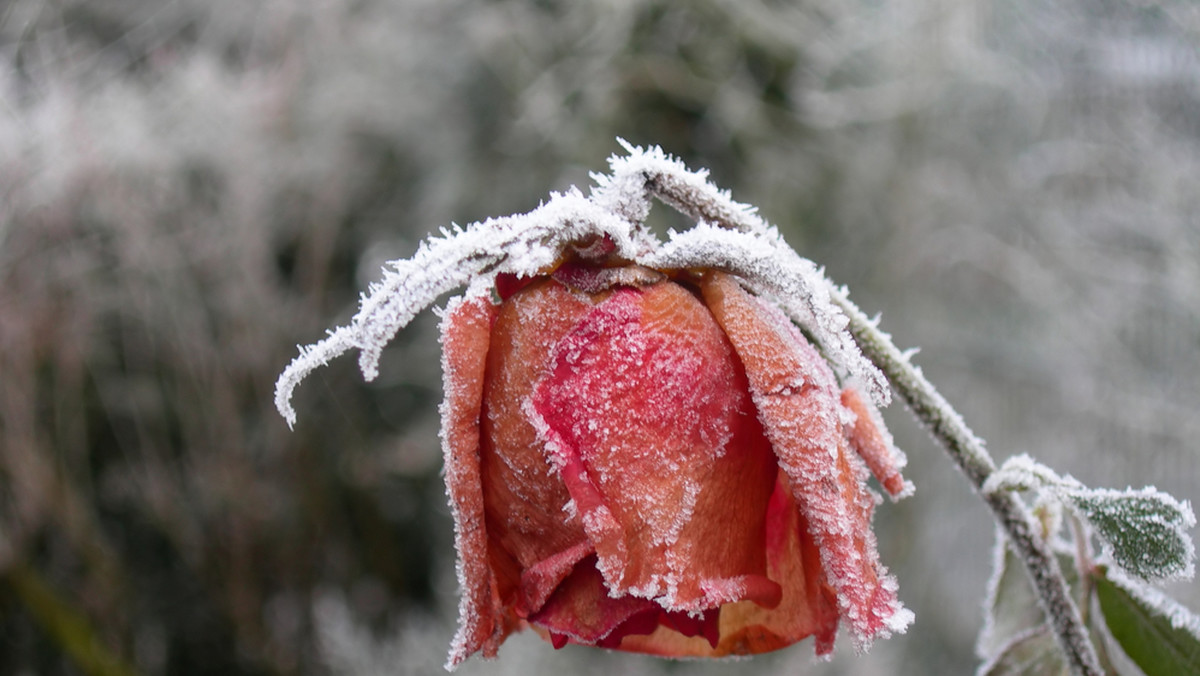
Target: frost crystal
{"points": [[728, 236]]}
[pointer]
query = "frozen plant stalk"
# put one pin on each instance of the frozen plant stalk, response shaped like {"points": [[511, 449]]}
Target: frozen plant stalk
{"points": [[643, 450]]}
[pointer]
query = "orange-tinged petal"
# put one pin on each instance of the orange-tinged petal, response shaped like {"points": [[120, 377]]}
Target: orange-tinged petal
{"points": [[807, 607], [533, 538], [797, 399], [872, 445], [647, 414], [465, 331]]}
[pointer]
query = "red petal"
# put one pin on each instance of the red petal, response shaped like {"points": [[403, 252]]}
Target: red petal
{"points": [[508, 284], [798, 402], [465, 331], [648, 417], [582, 610]]}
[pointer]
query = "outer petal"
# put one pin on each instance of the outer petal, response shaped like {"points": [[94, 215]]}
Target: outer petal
{"points": [[798, 402], [535, 540], [647, 415], [465, 328]]}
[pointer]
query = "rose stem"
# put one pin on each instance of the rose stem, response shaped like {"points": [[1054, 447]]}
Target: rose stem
{"points": [[967, 450]]}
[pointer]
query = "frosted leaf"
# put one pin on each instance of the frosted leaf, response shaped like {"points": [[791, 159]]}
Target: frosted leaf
{"points": [[1142, 531], [646, 172], [1033, 653], [1159, 635], [794, 284], [1021, 473], [522, 245]]}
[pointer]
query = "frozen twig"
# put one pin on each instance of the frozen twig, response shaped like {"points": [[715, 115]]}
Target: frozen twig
{"points": [[969, 453]]}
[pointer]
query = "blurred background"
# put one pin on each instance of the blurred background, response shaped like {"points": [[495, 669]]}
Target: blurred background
{"points": [[188, 189]]}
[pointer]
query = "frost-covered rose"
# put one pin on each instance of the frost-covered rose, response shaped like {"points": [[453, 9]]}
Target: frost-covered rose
{"points": [[657, 465], [643, 450]]}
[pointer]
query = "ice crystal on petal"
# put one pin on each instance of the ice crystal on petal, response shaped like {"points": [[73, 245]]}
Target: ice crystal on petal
{"points": [[794, 284]]}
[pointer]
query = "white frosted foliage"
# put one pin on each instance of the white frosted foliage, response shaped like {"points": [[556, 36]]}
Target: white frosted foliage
{"points": [[1143, 531], [728, 236]]}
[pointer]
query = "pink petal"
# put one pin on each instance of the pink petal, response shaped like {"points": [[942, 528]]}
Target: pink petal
{"points": [[807, 607], [535, 542], [649, 421], [581, 609]]}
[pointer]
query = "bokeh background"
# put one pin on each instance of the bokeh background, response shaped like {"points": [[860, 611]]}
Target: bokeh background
{"points": [[190, 188]]}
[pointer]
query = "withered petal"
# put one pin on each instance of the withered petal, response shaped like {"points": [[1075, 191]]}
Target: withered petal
{"points": [[583, 610], [871, 445], [797, 399], [524, 494]]}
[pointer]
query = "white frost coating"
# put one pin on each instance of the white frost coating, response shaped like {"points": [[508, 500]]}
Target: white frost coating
{"points": [[523, 245], [1023, 473], [794, 284], [527, 244]]}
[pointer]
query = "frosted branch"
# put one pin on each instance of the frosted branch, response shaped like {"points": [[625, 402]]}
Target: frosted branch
{"points": [[968, 451]]}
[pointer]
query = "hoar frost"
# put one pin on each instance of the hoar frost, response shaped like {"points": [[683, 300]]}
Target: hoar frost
{"points": [[643, 451]]}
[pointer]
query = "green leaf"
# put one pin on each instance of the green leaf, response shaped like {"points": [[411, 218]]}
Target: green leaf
{"points": [[1034, 653], [1143, 531], [1159, 635]]}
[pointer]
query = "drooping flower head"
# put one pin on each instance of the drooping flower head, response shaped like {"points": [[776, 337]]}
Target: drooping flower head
{"points": [[643, 449]]}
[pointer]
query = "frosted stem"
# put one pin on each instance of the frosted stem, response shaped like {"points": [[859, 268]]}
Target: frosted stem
{"points": [[968, 451]]}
